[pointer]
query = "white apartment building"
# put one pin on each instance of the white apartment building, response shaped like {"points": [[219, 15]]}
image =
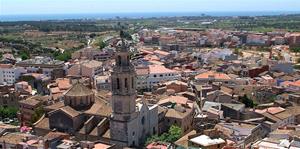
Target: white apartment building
{"points": [[9, 74], [155, 74]]}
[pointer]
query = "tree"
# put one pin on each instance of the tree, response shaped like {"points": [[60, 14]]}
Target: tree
{"points": [[38, 113], [172, 135], [248, 102], [295, 50], [62, 56], [102, 44], [8, 112], [24, 55]]}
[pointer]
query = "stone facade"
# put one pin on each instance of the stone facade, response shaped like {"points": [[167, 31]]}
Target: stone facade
{"points": [[130, 122]]}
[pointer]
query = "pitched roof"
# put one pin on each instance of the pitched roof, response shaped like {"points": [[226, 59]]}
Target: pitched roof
{"points": [[100, 107], [70, 111], [153, 69], [34, 100], [63, 83], [160, 52], [142, 71], [13, 138], [212, 74], [6, 66], [79, 89], [92, 64], [174, 99]]}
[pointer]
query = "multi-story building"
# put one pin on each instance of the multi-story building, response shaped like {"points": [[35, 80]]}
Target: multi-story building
{"points": [[86, 69], [102, 82], [259, 40], [9, 73], [45, 65], [142, 76], [152, 75], [211, 76], [91, 68], [28, 107], [294, 40], [179, 111], [91, 54]]}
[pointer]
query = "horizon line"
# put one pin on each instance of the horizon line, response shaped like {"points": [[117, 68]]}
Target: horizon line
{"points": [[251, 11]]}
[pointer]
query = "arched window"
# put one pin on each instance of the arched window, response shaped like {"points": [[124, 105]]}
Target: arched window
{"points": [[118, 83], [126, 83], [132, 82], [128, 59], [143, 120], [119, 60]]}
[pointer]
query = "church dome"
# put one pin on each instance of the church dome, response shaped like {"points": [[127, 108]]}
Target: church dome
{"points": [[79, 97]]}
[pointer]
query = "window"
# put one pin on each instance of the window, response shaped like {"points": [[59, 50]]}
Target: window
{"points": [[126, 85], [154, 76], [128, 59], [119, 60], [161, 75], [143, 120], [118, 83], [133, 133], [132, 82]]}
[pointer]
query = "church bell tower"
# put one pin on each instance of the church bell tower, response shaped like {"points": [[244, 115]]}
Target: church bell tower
{"points": [[124, 115]]}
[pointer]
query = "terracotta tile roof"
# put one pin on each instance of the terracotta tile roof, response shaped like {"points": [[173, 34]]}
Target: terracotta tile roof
{"points": [[79, 89], [102, 146], [174, 99], [25, 86], [142, 71], [177, 114], [55, 90], [34, 100], [55, 106], [146, 51], [154, 69], [92, 64], [54, 135], [13, 138], [6, 66], [156, 62], [212, 74], [176, 82], [63, 83], [296, 83], [157, 145], [271, 110], [43, 124], [151, 58], [160, 52], [100, 107], [184, 141], [284, 115], [70, 111]]}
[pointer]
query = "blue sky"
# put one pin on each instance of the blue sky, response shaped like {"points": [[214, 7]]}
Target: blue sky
{"points": [[117, 6]]}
